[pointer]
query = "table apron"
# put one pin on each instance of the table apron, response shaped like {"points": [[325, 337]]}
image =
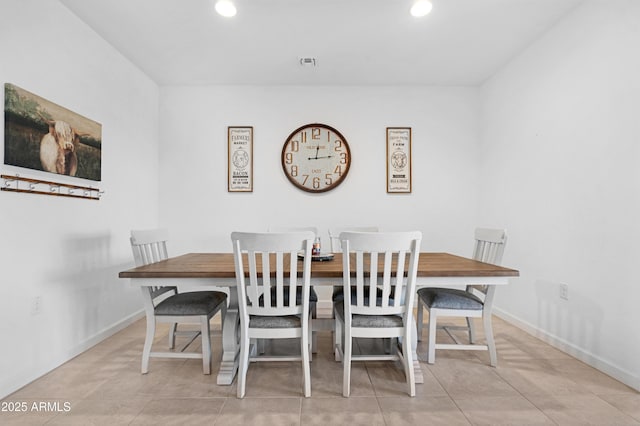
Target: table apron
{"points": [[220, 283]]}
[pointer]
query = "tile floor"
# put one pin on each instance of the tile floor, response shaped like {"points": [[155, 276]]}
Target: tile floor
{"points": [[533, 384]]}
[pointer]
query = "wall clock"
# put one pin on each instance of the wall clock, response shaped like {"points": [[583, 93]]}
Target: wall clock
{"points": [[316, 157]]}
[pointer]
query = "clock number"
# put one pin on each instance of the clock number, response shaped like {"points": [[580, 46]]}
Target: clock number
{"points": [[304, 181], [338, 143], [316, 182], [328, 179], [295, 146], [294, 171], [343, 158], [315, 133], [338, 170], [288, 158], [303, 136]]}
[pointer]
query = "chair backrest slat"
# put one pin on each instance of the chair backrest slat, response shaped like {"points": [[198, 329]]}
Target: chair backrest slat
{"points": [[387, 256], [489, 248], [489, 245], [150, 246]]}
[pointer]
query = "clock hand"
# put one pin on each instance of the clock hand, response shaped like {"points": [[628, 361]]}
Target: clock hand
{"points": [[326, 156], [317, 149]]}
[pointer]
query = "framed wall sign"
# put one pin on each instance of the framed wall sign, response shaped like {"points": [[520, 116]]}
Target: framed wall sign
{"points": [[398, 159], [240, 162]]}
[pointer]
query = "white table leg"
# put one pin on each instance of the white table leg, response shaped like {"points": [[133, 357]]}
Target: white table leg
{"points": [[230, 341]]}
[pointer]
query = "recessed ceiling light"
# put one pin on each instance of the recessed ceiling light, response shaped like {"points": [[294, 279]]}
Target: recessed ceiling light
{"points": [[225, 8], [421, 8]]}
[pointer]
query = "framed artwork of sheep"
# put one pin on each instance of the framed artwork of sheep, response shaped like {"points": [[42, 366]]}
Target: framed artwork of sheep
{"points": [[41, 135]]}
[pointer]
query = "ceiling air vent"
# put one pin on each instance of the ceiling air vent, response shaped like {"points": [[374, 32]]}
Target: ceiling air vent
{"points": [[308, 61]]}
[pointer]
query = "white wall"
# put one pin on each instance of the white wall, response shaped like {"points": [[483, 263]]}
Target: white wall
{"points": [[200, 212], [68, 251], [561, 170]]}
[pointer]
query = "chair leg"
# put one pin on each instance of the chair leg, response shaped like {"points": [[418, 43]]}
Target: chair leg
{"points": [[148, 342], [431, 346], [472, 330], [305, 349], [310, 336], [346, 364], [419, 319], [338, 339], [206, 344], [173, 328], [491, 344], [408, 365], [243, 365]]}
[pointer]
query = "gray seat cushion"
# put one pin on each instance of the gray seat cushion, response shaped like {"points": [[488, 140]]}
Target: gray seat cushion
{"points": [[313, 296], [192, 303], [288, 321], [450, 298], [369, 321]]}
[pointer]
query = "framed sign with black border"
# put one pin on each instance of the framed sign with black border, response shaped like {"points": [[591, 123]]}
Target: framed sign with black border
{"points": [[398, 159], [240, 160]]}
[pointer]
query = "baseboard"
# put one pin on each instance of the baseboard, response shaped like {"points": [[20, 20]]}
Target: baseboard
{"points": [[622, 375], [9, 385]]}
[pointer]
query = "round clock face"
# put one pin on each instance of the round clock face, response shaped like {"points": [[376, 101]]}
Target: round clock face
{"points": [[316, 158]]}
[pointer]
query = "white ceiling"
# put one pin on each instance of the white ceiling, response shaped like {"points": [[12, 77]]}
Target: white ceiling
{"points": [[356, 42]]}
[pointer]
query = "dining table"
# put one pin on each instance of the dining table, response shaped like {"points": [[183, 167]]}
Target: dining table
{"points": [[193, 271]]}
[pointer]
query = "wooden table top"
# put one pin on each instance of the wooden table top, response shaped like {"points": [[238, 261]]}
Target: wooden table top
{"points": [[221, 265]]}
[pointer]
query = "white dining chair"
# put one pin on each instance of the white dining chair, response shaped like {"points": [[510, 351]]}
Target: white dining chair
{"points": [[164, 304], [267, 263], [313, 296], [476, 301], [375, 261], [336, 247]]}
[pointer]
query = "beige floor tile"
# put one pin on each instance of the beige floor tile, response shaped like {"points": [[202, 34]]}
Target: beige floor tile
{"points": [[627, 403], [467, 379], [538, 377], [275, 379], [127, 380], [100, 412], [510, 410], [169, 411], [581, 410], [590, 378], [391, 381], [69, 381], [327, 375], [341, 411], [188, 381], [421, 410], [260, 412]]}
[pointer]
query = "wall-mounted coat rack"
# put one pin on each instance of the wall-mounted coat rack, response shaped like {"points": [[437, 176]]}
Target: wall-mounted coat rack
{"points": [[18, 183]]}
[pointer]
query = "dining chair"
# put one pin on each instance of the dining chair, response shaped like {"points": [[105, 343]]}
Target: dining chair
{"points": [[267, 263], [372, 261], [476, 301], [313, 296], [336, 247], [164, 304]]}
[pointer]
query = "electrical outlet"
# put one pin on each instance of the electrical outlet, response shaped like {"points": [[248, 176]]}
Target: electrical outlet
{"points": [[36, 305], [564, 291]]}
